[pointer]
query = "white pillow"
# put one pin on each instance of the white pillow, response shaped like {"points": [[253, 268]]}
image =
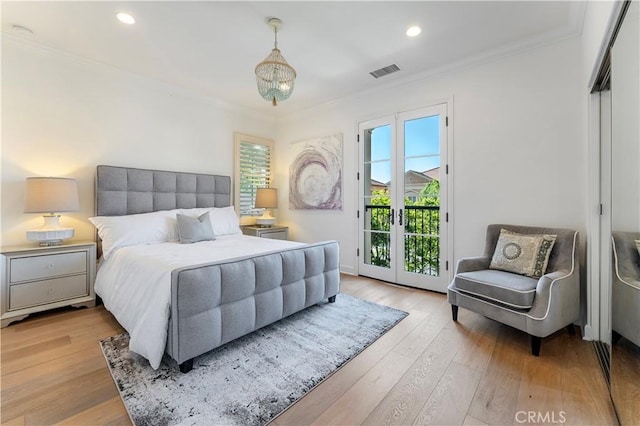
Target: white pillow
{"points": [[135, 229], [224, 220]]}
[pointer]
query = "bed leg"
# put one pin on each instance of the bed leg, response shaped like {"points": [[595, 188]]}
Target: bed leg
{"points": [[186, 366], [332, 299]]}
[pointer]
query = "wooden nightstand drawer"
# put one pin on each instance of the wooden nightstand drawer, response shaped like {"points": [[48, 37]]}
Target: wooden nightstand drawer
{"points": [[276, 235], [275, 232], [46, 266], [41, 292]]}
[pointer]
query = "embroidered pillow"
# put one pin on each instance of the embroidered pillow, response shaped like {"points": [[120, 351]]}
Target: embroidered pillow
{"points": [[524, 254], [194, 229]]}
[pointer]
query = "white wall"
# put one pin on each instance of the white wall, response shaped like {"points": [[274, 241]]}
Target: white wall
{"points": [[519, 150], [62, 116]]}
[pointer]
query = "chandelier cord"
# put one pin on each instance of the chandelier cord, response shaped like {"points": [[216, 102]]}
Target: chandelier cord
{"points": [[275, 44]]}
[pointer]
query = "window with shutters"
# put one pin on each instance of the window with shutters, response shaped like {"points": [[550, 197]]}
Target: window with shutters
{"points": [[253, 170]]}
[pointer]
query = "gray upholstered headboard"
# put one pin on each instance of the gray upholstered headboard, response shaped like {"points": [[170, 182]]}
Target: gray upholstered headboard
{"points": [[121, 191]]}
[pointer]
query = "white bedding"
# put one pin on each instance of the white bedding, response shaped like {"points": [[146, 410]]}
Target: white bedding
{"points": [[135, 283]]}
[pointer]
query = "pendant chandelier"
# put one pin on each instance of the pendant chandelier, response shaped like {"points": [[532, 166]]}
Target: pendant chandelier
{"points": [[274, 76]]}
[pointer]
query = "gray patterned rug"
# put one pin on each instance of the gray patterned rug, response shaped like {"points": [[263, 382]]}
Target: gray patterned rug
{"points": [[251, 380]]}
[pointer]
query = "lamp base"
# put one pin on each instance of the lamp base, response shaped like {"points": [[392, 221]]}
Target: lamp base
{"points": [[266, 219], [50, 243], [265, 223], [51, 233]]}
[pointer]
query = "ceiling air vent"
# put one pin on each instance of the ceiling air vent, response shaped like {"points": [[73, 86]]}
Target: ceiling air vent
{"points": [[385, 71]]}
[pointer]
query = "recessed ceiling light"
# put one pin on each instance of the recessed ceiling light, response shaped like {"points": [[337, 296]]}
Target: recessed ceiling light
{"points": [[414, 31], [125, 18]]}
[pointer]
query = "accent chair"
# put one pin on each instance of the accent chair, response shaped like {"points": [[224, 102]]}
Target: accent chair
{"points": [[538, 295]]}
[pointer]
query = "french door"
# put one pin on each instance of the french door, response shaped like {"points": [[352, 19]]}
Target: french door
{"points": [[403, 198]]}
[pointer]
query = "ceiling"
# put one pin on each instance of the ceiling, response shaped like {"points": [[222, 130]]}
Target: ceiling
{"points": [[212, 47]]}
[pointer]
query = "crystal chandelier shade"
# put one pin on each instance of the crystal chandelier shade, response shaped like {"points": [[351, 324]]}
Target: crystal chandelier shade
{"points": [[274, 76]]}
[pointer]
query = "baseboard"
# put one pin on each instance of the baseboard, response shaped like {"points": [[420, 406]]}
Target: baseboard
{"points": [[349, 270]]}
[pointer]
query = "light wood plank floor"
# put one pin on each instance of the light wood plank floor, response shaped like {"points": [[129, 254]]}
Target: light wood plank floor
{"points": [[625, 380], [426, 370]]}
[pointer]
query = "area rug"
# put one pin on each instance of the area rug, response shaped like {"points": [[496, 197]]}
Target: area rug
{"points": [[251, 380]]}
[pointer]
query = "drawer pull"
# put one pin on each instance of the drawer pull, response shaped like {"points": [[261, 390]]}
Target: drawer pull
{"points": [[50, 266], [51, 290]]}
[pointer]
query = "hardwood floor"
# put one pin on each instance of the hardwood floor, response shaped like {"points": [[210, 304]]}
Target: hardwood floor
{"points": [[625, 380], [426, 370]]}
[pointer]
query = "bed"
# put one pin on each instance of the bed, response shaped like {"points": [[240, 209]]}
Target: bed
{"points": [[188, 299]]}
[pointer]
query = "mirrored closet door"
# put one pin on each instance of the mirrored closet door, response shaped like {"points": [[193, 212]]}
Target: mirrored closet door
{"points": [[625, 218]]}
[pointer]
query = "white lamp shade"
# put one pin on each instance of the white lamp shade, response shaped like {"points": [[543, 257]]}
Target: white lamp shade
{"points": [[50, 194], [266, 198]]}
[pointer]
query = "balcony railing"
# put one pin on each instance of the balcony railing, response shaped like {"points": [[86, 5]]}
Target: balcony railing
{"points": [[421, 238]]}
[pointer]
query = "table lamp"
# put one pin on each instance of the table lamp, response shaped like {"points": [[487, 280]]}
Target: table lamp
{"points": [[50, 195], [266, 198]]}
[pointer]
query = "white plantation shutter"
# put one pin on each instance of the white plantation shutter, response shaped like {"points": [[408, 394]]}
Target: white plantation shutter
{"points": [[254, 157]]}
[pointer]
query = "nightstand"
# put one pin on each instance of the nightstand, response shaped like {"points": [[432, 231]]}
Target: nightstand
{"points": [[36, 278], [276, 232]]}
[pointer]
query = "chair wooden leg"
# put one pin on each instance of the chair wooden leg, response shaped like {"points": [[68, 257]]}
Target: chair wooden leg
{"points": [[186, 366], [535, 345], [454, 312]]}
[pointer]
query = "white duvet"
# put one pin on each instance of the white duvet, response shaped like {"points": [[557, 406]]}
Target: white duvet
{"points": [[135, 283]]}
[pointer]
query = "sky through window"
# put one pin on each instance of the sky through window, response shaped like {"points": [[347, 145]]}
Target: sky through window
{"points": [[422, 147]]}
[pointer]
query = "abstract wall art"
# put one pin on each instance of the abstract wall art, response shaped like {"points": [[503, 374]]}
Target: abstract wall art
{"points": [[315, 174]]}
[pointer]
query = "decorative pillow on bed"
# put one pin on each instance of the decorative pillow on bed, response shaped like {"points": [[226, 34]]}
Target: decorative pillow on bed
{"points": [[224, 220], [194, 229], [524, 254], [130, 230]]}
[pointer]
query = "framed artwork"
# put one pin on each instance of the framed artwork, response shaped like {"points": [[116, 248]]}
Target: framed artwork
{"points": [[315, 174]]}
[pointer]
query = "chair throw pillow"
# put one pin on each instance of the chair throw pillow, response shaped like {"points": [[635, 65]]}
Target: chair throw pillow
{"points": [[194, 229], [524, 254]]}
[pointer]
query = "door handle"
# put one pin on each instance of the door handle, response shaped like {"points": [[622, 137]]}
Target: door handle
{"points": [[393, 213], [400, 217]]}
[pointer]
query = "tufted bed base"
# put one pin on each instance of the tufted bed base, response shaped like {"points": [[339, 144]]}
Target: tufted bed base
{"points": [[215, 304]]}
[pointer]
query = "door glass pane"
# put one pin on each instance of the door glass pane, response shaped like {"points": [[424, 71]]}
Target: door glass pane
{"points": [[421, 216], [379, 143], [424, 134], [377, 200]]}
